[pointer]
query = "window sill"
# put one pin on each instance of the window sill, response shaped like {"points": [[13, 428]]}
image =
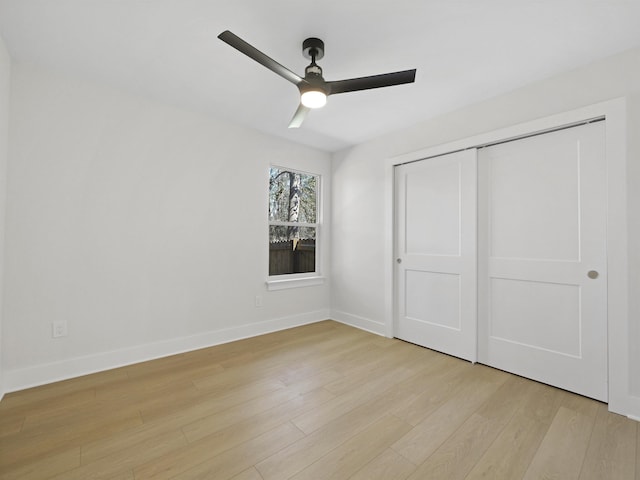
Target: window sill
{"points": [[294, 283]]}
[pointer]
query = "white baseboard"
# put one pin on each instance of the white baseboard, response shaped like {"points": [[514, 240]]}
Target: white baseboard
{"points": [[359, 322], [28, 377]]}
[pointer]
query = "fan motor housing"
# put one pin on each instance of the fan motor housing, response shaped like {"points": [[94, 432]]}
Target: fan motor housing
{"points": [[313, 44]]}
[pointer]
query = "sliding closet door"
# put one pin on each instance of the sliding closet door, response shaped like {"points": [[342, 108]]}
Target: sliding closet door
{"points": [[436, 253], [542, 271]]}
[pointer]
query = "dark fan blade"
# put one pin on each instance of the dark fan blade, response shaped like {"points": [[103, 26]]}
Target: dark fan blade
{"points": [[252, 52], [374, 81], [299, 116]]}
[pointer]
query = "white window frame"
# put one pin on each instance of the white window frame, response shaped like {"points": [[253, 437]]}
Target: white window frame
{"points": [[307, 279]]}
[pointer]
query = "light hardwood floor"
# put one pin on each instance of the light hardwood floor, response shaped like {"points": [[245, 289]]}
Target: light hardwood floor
{"points": [[323, 401]]}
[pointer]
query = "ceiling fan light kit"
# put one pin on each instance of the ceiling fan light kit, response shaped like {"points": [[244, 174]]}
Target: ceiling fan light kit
{"points": [[313, 98], [314, 89]]}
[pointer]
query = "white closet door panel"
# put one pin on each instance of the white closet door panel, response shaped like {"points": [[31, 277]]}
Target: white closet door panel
{"points": [[542, 218], [436, 250], [433, 298], [433, 210], [541, 315], [526, 184]]}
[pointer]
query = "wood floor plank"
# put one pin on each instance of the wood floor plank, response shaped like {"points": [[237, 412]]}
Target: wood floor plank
{"points": [[155, 398], [123, 461], [313, 380], [315, 445], [387, 466], [543, 402], [563, 448], [297, 456], [127, 475], [379, 361], [44, 394], [442, 385], [269, 361], [250, 474], [159, 380], [199, 403], [88, 414], [229, 416], [342, 404], [227, 434], [457, 455], [175, 419], [44, 407], [461, 451], [346, 459], [330, 354], [340, 357], [385, 378], [255, 425], [236, 377], [238, 459], [18, 450], [182, 459], [258, 422], [130, 440], [510, 454], [580, 404], [44, 467], [612, 449], [366, 352], [506, 400], [10, 424], [426, 437]]}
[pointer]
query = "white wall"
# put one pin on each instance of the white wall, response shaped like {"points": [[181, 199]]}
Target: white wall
{"points": [[141, 225], [5, 76], [358, 262]]}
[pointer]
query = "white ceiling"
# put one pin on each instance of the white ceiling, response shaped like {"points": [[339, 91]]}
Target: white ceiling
{"points": [[464, 51]]}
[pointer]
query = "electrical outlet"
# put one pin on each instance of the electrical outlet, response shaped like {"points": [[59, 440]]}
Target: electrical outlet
{"points": [[59, 329], [258, 300]]}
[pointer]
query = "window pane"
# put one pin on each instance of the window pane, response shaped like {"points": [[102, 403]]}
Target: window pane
{"points": [[308, 185], [278, 195], [292, 196], [292, 250]]}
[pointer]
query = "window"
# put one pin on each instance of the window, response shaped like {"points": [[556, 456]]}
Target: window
{"points": [[293, 224]]}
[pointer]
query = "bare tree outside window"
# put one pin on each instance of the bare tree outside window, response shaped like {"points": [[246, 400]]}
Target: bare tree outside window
{"points": [[292, 221]]}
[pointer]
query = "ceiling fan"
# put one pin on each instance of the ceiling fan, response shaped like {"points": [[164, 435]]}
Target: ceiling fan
{"points": [[314, 89]]}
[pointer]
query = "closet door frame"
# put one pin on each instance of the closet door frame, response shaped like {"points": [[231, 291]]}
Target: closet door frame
{"points": [[621, 400]]}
